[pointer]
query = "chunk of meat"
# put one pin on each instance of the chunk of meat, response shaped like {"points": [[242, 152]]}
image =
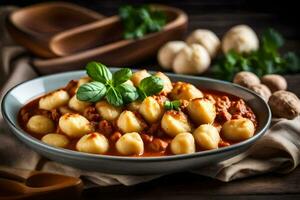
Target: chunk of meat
{"points": [[146, 138], [158, 145], [55, 115], [71, 87], [91, 114], [115, 136], [105, 127]]}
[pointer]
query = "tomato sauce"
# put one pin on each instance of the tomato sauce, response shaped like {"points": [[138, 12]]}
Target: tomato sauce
{"points": [[156, 143]]}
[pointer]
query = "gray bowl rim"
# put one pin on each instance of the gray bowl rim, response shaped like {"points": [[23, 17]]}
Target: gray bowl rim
{"points": [[70, 153]]}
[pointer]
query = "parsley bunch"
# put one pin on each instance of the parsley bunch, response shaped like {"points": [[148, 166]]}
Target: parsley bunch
{"points": [[266, 60], [113, 87], [138, 21]]}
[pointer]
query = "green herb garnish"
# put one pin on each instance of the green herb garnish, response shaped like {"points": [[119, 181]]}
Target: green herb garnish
{"points": [[172, 105], [108, 85], [139, 20], [150, 86], [266, 60], [113, 87]]}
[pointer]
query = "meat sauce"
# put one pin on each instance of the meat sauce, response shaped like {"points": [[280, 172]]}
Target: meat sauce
{"points": [[156, 142]]}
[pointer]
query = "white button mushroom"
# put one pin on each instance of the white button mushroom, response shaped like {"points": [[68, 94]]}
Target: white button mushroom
{"points": [[130, 144], [183, 143], [241, 39], [151, 110], [207, 137], [128, 122], [78, 105], [167, 53], [185, 91], [74, 125], [138, 76], [54, 100], [238, 129], [40, 124], [175, 122], [108, 111], [202, 111], [167, 82], [93, 143], [193, 59], [208, 39], [56, 140]]}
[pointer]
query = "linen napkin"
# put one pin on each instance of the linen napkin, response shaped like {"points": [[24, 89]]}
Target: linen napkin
{"points": [[277, 151]]}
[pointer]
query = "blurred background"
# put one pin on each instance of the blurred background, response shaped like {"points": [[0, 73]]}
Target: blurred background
{"points": [[217, 15]]}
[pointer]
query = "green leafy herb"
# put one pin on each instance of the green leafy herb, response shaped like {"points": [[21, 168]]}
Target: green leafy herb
{"points": [[114, 97], [114, 87], [128, 92], [266, 60], [140, 20], [108, 85], [150, 86], [172, 105], [98, 72], [92, 92], [121, 76]]}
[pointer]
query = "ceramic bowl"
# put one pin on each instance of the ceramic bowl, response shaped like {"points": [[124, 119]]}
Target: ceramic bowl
{"points": [[16, 97]]}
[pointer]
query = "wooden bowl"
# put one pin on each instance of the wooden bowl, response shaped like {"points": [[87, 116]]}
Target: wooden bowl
{"points": [[34, 26], [102, 41]]}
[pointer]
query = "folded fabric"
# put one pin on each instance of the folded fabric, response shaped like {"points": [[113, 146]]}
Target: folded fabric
{"points": [[277, 151]]}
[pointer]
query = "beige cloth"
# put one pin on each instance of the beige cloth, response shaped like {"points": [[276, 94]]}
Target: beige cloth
{"points": [[278, 151]]}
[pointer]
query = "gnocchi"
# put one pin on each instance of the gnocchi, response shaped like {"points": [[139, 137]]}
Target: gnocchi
{"points": [[107, 111], [185, 91], [175, 122], [128, 122], [78, 105], [178, 119], [238, 129], [56, 140], [207, 137], [93, 143], [138, 76], [167, 82], [202, 111], [130, 144], [151, 110], [40, 124], [54, 100], [183, 143], [74, 125]]}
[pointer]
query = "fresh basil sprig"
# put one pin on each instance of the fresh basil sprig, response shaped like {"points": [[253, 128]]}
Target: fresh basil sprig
{"points": [[92, 92], [108, 85], [150, 86], [172, 105]]}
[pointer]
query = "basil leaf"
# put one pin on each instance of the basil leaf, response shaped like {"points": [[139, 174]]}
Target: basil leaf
{"points": [[121, 76], [172, 105], [92, 92], [98, 72], [150, 86], [128, 92], [114, 97]]}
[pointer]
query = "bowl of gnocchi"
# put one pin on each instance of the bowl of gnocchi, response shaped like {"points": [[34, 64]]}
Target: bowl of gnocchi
{"points": [[136, 122]]}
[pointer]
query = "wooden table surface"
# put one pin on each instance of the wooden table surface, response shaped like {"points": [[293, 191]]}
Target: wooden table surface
{"points": [[217, 15]]}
